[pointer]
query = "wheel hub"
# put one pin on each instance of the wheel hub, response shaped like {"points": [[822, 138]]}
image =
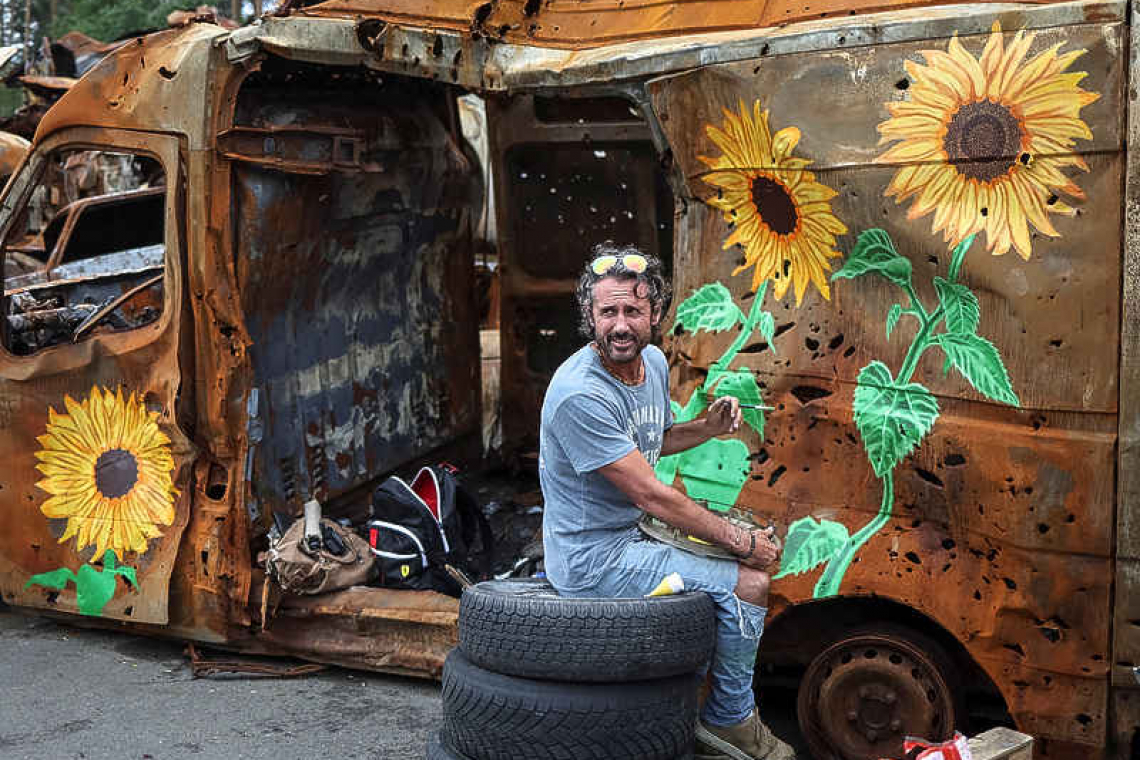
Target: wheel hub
{"points": [[862, 695]]}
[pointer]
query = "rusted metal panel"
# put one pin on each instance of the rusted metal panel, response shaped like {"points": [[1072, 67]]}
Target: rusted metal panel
{"points": [[154, 83], [570, 24], [1126, 618], [108, 404], [404, 632], [384, 352], [1009, 503]]}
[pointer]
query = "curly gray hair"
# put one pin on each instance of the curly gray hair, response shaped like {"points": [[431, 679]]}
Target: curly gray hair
{"points": [[658, 290]]}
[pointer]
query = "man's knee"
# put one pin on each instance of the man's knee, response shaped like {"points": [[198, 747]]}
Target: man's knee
{"points": [[752, 586]]}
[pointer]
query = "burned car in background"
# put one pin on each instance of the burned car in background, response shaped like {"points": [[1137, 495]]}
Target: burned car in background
{"points": [[898, 225]]}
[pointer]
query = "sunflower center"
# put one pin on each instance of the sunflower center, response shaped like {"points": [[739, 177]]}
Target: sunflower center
{"points": [[116, 473], [982, 140], [774, 204]]}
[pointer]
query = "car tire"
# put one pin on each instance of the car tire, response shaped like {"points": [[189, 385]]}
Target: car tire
{"points": [[491, 716], [523, 628], [437, 750]]}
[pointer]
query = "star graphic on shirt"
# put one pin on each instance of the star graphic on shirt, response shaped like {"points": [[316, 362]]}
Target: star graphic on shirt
{"points": [[651, 436]]}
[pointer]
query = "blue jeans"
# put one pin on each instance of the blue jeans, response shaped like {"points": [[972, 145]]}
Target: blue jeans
{"points": [[640, 567]]}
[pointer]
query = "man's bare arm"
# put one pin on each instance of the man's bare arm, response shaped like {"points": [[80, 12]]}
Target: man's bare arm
{"points": [[723, 417], [633, 476]]}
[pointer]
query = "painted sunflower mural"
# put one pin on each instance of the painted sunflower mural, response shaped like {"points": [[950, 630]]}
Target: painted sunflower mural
{"points": [[107, 468], [780, 214], [986, 140]]}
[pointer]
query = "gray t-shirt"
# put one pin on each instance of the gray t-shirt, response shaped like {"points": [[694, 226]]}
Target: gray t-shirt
{"points": [[591, 419]]}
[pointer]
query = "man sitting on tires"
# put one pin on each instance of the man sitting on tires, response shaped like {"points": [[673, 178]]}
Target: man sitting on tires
{"points": [[606, 421]]}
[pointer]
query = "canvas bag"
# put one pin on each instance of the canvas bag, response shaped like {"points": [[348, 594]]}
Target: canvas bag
{"points": [[418, 529], [299, 571]]}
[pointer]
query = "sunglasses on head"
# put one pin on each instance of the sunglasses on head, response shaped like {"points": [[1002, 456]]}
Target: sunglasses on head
{"points": [[634, 262]]}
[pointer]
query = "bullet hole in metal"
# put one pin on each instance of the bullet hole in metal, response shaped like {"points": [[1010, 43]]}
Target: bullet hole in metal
{"points": [[781, 329], [929, 477], [1009, 583], [902, 84], [779, 472], [912, 557], [805, 394], [835, 342], [811, 343], [954, 460], [948, 544]]}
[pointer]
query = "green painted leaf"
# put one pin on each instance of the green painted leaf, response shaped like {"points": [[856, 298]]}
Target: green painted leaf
{"points": [[693, 408], [893, 319], [980, 363], [56, 579], [715, 472], [666, 468], [709, 308], [810, 544], [960, 305], [742, 384], [891, 419], [766, 324], [875, 253]]}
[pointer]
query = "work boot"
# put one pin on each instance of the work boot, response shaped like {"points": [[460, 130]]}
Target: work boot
{"points": [[748, 740]]}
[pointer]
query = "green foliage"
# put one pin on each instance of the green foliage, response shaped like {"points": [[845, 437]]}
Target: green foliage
{"points": [[875, 253], [715, 471], [810, 544], [109, 21], [709, 308], [979, 362], [893, 319], [742, 384], [93, 588], [766, 324], [960, 306], [892, 418]]}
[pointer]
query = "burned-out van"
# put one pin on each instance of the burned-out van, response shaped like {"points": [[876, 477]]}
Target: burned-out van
{"points": [[910, 228]]}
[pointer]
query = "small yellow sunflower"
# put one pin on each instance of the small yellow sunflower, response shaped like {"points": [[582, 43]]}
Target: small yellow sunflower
{"points": [[108, 469], [985, 140], [779, 213]]}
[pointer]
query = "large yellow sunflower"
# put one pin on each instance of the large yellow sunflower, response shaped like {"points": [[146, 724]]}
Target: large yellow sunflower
{"points": [[779, 213], [108, 469], [985, 140]]}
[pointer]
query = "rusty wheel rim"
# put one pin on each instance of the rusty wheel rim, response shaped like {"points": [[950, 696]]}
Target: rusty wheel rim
{"points": [[862, 695]]}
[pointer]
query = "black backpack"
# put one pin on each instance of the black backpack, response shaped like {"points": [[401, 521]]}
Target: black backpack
{"points": [[416, 530]]}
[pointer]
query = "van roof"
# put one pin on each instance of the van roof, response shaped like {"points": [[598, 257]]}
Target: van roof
{"points": [[576, 25]]}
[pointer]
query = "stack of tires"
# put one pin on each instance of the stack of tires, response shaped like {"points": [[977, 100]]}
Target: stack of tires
{"points": [[537, 676]]}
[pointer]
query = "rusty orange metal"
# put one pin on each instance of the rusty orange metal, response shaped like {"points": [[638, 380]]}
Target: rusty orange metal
{"points": [[318, 327]]}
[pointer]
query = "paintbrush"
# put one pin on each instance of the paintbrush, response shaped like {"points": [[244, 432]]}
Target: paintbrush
{"points": [[743, 405]]}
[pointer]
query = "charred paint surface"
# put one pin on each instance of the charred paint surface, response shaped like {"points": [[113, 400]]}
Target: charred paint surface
{"points": [[365, 348]]}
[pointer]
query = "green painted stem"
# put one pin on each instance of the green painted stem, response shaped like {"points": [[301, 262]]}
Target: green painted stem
{"points": [[720, 367], [921, 343], [828, 584]]}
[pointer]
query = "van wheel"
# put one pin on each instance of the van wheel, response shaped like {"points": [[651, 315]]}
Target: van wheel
{"points": [[524, 628], [863, 694], [491, 716]]}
